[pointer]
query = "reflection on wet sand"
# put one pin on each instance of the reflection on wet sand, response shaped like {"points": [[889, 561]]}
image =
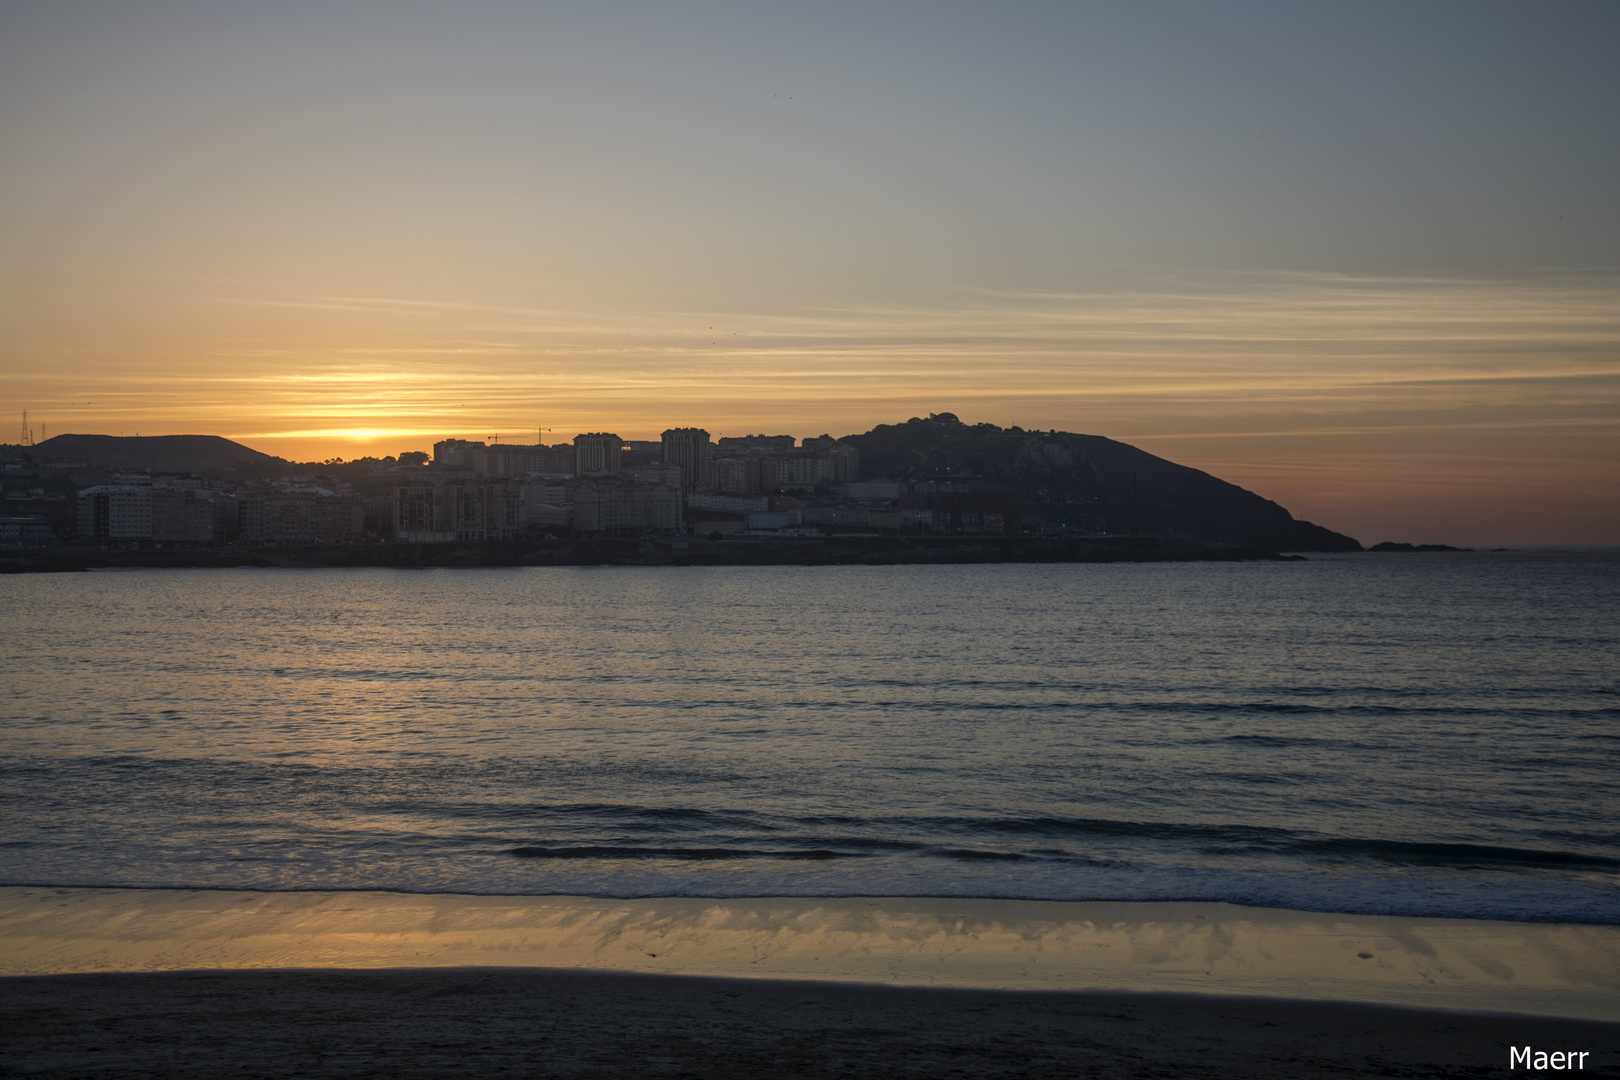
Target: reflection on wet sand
{"points": [[1551, 970]]}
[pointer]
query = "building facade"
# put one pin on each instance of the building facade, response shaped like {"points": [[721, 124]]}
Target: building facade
{"points": [[140, 513], [610, 506], [116, 513], [765, 464], [597, 452], [689, 448], [446, 509], [504, 460], [773, 444], [277, 516]]}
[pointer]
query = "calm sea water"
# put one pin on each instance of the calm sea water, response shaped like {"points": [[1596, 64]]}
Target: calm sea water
{"points": [[1431, 734]]}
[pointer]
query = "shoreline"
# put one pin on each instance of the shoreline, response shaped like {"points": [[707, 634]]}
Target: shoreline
{"points": [[1550, 970], [830, 550]]}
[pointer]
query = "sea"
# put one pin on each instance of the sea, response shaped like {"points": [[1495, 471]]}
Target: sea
{"points": [[1430, 734]]}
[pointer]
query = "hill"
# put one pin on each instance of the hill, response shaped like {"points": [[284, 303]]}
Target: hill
{"points": [[1088, 481], [1092, 483], [210, 455]]}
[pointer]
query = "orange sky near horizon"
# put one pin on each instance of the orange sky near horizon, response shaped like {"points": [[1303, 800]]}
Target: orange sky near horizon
{"points": [[1472, 411]]}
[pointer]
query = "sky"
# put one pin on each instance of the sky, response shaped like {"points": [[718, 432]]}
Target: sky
{"points": [[1363, 259]]}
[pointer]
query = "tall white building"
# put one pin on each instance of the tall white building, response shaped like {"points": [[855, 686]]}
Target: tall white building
{"points": [[116, 512], [689, 448]]}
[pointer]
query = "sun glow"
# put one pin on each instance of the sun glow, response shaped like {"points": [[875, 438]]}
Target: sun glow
{"points": [[363, 435], [1325, 393]]}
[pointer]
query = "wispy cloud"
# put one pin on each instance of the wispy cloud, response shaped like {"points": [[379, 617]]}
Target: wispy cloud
{"points": [[1357, 377]]}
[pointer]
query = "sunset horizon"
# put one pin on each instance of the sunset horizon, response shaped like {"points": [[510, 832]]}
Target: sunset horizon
{"points": [[765, 540]]}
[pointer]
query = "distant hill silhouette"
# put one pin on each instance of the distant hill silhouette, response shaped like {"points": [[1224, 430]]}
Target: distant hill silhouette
{"points": [[1090, 481], [210, 455], [1094, 483]]}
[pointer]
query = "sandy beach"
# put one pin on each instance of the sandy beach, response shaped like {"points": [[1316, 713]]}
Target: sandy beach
{"points": [[556, 1023], [112, 982]]}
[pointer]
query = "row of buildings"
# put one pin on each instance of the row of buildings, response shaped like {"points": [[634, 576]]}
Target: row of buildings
{"points": [[599, 485], [432, 508], [737, 465], [189, 510]]}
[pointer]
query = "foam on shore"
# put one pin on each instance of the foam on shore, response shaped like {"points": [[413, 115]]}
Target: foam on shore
{"points": [[1530, 968]]}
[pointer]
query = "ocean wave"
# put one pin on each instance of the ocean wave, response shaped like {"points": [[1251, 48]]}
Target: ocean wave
{"points": [[1409, 853], [1352, 736], [618, 852]]}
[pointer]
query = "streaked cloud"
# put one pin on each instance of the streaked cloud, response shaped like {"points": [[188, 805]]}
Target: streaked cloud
{"points": [[1217, 373]]}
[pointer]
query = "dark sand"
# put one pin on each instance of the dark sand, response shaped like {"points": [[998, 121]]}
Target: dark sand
{"points": [[473, 1022]]}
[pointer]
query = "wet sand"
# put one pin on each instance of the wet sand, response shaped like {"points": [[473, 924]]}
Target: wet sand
{"points": [[115, 982], [1539, 969]]}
